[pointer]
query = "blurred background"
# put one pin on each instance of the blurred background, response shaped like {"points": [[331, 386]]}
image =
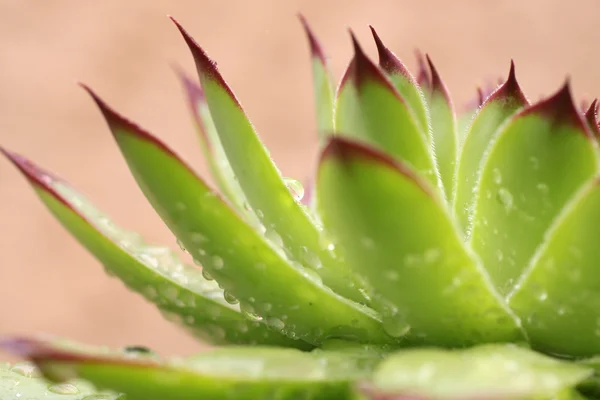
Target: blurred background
{"points": [[124, 50]]}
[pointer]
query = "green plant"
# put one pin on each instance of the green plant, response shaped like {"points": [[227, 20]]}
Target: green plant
{"points": [[439, 255]]}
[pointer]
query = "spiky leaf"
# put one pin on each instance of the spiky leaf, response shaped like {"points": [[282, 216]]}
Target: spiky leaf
{"points": [[539, 160], [179, 290], [400, 237], [284, 218], [289, 297]]}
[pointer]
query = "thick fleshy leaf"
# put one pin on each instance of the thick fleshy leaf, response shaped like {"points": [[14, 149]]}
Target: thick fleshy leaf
{"points": [[323, 85], [443, 131], [370, 109], [214, 153], [236, 373], [284, 218], [503, 103], [484, 372], [537, 163], [290, 298], [179, 290], [400, 237], [404, 82], [23, 380], [558, 297]]}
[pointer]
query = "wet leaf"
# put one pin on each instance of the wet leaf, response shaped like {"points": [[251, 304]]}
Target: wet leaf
{"points": [[23, 380], [443, 130], [288, 297], [284, 217], [503, 103], [236, 373], [370, 109], [537, 163], [178, 290], [488, 371], [558, 297], [323, 85], [400, 237]]}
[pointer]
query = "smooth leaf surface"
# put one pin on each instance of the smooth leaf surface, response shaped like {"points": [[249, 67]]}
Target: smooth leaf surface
{"points": [[323, 85], [443, 131], [237, 373], [503, 103], [542, 157], [288, 297], [404, 82], [400, 237], [214, 153], [488, 371], [558, 297], [371, 110], [23, 380], [178, 290], [287, 223]]}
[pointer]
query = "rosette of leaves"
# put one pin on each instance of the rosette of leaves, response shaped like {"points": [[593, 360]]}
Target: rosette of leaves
{"points": [[438, 254]]}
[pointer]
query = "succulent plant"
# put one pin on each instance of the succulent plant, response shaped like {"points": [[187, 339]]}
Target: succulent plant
{"points": [[437, 254]]}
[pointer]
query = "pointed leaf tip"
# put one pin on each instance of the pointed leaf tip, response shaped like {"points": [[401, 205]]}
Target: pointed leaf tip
{"points": [[437, 85], [388, 61], [364, 69], [510, 89], [560, 109], [316, 49], [591, 116], [118, 124], [204, 64], [347, 150], [423, 78]]}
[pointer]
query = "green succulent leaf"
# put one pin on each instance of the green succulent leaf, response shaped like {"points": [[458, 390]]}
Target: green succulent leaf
{"points": [[537, 163], [496, 109], [237, 373], [489, 371], [213, 149], [323, 85], [443, 128], [400, 237], [370, 109], [287, 222], [404, 82], [290, 298], [558, 296], [23, 380], [178, 290]]}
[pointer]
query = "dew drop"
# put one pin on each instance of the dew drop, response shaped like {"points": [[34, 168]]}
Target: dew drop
{"points": [[295, 188], [542, 187], [206, 275], [181, 246], [274, 237], [396, 327], [63, 388], [543, 296], [26, 369], [218, 263], [231, 299], [276, 323], [506, 199], [198, 238], [497, 176]]}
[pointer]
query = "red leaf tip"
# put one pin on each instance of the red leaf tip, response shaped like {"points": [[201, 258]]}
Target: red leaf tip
{"points": [[388, 61], [437, 85], [118, 124], [363, 69], [591, 116], [31, 171], [423, 78], [316, 49], [206, 67], [510, 89], [192, 89], [347, 150], [560, 109]]}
